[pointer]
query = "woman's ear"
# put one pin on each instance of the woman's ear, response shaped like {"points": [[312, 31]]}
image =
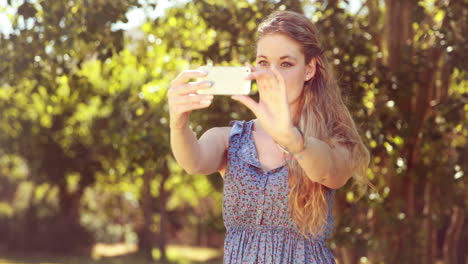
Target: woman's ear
{"points": [[310, 69]]}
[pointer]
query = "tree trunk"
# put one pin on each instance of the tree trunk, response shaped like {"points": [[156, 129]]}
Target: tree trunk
{"points": [[398, 38], [348, 256], [162, 202], [398, 30], [145, 241], [430, 247], [68, 223], [453, 235]]}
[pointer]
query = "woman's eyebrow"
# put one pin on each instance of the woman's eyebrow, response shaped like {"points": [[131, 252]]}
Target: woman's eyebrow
{"points": [[282, 57]]}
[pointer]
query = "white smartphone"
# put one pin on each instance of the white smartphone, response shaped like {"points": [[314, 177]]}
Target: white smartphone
{"points": [[227, 80]]}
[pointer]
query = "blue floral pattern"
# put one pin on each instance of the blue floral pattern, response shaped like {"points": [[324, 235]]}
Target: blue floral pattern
{"points": [[256, 211]]}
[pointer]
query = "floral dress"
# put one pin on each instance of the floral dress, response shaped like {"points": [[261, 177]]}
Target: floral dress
{"points": [[259, 229]]}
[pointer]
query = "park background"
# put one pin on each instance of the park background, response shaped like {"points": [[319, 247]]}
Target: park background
{"points": [[86, 170]]}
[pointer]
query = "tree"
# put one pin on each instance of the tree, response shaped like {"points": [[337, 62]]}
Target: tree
{"points": [[79, 103], [48, 108]]}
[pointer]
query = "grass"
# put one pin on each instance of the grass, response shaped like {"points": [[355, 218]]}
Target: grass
{"points": [[121, 254]]}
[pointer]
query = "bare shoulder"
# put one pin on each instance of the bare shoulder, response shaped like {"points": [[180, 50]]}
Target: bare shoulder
{"points": [[220, 132]]}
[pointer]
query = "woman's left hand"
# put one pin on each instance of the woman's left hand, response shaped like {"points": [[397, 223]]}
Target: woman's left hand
{"points": [[272, 111]]}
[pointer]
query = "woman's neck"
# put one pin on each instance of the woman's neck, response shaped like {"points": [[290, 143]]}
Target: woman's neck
{"points": [[295, 110]]}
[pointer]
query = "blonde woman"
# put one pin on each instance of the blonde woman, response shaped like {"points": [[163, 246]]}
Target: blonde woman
{"points": [[280, 170]]}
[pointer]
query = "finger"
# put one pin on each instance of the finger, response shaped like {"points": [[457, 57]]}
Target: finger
{"points": [[265, 80], [251, 67], [271, 81], [279, 77], [257, 75], [191, 99], [262, 86], [186, 75], [192, 87], [194, 105], [248, 102]]}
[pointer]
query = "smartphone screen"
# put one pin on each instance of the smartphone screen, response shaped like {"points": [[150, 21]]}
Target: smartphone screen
{"points": [[227, 80]]}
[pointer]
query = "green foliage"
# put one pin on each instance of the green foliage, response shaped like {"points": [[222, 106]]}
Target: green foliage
{"points": [[83, 120]]}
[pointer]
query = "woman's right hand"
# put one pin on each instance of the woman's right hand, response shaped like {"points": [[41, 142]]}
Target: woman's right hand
{"points": [[183, 97]]}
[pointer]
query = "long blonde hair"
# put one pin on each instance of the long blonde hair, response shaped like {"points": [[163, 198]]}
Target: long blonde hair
{"points": [[322, 114]]}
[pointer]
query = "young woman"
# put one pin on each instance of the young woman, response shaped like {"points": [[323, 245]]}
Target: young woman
{"points": [[280, 170]]}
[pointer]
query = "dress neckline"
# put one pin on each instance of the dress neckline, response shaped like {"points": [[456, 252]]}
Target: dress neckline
{"points": [[251, 141]]}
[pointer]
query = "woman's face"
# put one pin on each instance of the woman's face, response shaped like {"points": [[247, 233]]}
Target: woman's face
{"points": [[284, 53]]}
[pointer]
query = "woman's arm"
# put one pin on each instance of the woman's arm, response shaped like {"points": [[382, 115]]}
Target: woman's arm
{"points": [[193, 156], [185, 148], [203, 156], [330, 166]]}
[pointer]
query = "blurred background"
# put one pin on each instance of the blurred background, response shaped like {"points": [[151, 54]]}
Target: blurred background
{"points": [[86, 170]]}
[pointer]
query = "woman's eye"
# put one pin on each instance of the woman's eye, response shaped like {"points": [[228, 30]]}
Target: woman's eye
{"points": [[262, 63], [286, 64]]}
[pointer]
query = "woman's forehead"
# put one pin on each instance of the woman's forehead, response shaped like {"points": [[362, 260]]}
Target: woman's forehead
{"points": [[278, 46]]}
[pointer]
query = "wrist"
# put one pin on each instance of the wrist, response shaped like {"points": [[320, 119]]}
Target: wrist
{"points": [[176, 128], [295, 143]]}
